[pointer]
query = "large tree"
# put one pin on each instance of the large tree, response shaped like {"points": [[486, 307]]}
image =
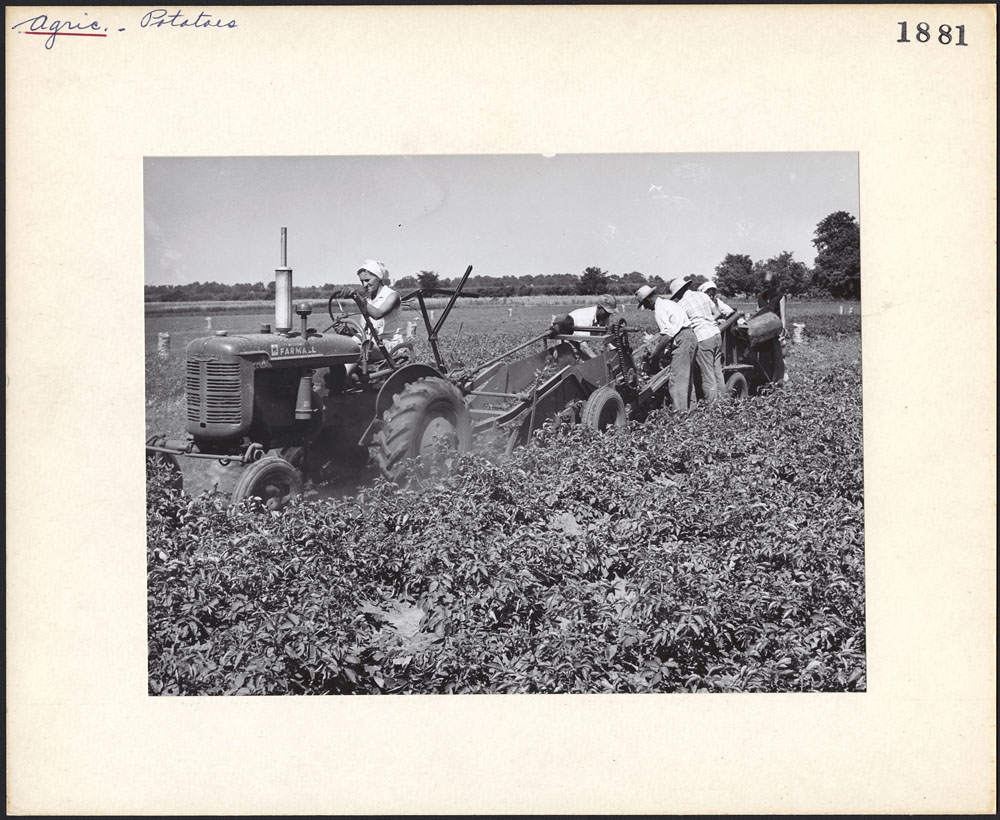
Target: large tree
{"points": [[593, 281], [428, 279], [838, 256], [787, 275], [734, 274]]}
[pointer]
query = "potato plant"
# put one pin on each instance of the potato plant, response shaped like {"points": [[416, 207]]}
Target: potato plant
{"points": [[721, 551]]}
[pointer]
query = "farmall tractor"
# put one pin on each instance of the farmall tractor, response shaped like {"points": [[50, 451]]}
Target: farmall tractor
{"points": [[272, 408]]}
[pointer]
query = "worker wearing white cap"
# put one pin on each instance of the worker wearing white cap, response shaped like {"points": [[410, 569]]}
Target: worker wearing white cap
{"points": [[711, 290], [383, 304], [596, 315], [703, 315], [676, 340]]}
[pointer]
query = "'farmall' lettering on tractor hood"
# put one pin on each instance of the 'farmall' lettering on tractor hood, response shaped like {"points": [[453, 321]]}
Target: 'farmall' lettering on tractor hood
{"points": [[297, 349], [320, 350]]}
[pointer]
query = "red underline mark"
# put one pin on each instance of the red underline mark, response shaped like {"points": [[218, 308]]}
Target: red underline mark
{"points": [[63, 34]]}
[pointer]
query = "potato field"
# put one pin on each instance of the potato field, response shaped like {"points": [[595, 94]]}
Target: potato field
{"points": [[717, 551]]}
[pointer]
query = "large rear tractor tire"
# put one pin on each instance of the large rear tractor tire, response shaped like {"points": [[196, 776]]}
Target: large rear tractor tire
{"points": [[736, 387], [603, 409], [425, 416], [273, 480]]}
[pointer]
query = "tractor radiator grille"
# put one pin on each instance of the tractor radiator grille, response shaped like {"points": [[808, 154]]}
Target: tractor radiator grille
{"points": [[214, 392]]}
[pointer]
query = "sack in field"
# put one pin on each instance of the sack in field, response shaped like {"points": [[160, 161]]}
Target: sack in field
{"points": [[763, 328]]}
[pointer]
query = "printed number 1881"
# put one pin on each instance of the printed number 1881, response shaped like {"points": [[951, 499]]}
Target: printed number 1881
{"points": [[924, 33]]}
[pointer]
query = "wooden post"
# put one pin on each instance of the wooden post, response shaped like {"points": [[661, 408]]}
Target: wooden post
{"points": [[163, 345]]}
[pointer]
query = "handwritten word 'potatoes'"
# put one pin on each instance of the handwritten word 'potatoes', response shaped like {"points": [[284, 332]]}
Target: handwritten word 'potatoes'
{"points": [[158, 18]]}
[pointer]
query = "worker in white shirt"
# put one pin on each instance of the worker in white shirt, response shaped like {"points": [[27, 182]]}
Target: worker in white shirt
{"points": [[596, 315], [381, 303], [677, 341]]}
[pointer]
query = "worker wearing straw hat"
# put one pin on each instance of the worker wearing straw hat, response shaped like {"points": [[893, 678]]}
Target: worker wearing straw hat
{"points": [[703, 315], [677, 341]]}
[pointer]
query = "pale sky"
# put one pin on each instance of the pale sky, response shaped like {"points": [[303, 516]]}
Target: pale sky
{"points": [[220, 219]]}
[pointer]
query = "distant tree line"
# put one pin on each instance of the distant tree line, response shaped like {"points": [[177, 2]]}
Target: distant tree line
{"points": [[240, 292], [836, 272]]}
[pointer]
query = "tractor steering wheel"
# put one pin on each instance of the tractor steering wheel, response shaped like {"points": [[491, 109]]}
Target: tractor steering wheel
{"points": [[334, 317], [342, 325]]}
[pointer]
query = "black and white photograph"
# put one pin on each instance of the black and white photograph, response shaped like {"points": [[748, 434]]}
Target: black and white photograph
{"points": [[504, 424], [500, 410]]}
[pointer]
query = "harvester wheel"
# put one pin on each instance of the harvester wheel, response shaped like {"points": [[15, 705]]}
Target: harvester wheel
{"points": [[736, 387], [424, 414], [604, 409], [273, 480]]}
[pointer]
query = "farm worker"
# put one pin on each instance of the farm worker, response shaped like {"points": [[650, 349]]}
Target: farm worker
{"points": [[711, 290], [676, 340], [382, 303], [771, 356], [596, 315], [772, 298], [703, 314]]}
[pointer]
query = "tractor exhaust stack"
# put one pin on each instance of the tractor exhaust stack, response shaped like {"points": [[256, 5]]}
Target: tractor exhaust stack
{"points": [[283, 290]]}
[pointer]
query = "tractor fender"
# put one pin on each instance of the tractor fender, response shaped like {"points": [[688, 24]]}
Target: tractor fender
{"points": [[393, 385]]}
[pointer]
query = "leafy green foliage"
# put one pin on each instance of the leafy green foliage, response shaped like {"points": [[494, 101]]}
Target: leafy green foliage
{"points": [[428, 279], [783, 272], [838, 256], [718, 551], [593, 281], [734, 274]]}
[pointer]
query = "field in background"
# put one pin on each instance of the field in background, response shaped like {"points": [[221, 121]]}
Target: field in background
{"points": [[476, 330], [255, 307]]}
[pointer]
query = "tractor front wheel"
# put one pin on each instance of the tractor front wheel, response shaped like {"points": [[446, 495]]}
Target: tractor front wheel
{"points": [[426, 416], [603, 409], [272, 480]]}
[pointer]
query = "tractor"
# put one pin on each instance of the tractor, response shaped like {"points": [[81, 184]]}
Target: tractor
{"points": [[270, 409]]}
